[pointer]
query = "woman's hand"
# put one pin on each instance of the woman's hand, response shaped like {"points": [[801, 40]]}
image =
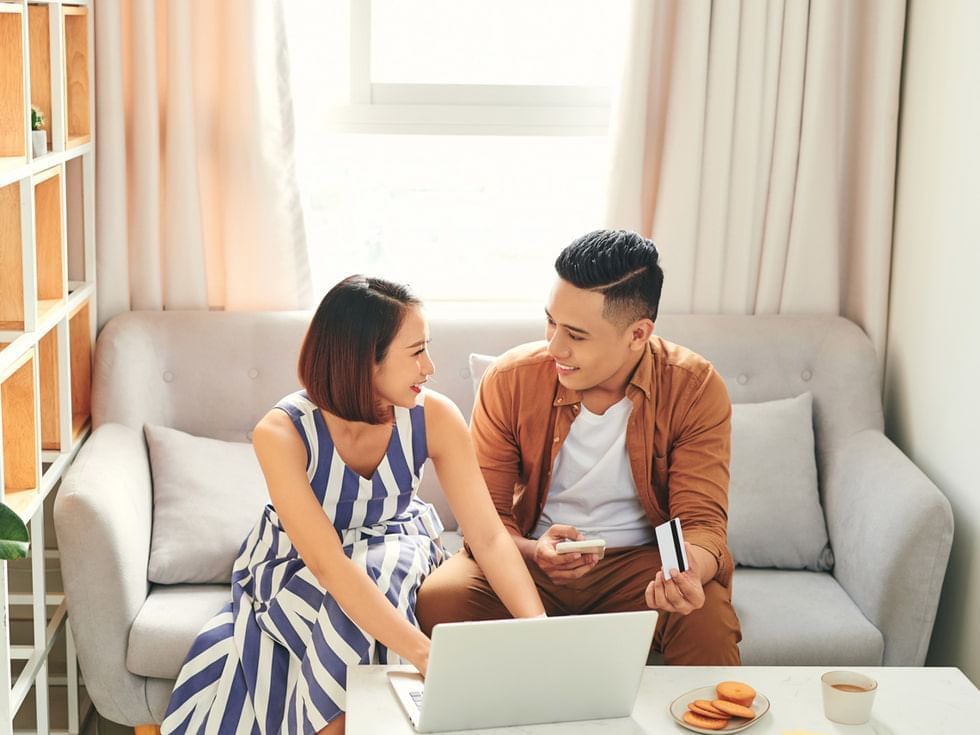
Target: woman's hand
{"points": [[420, 659]]}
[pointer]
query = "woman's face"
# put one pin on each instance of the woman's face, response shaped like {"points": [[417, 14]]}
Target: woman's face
{"points": [[399, 377]]}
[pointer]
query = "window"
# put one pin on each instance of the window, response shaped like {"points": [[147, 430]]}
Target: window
{"points": [[456, 145]]}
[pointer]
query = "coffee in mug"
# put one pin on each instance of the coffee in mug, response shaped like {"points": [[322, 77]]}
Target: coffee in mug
{"points": [[848, 696]]}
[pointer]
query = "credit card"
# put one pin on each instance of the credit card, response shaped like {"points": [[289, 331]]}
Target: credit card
{"points": [[670, 539]]}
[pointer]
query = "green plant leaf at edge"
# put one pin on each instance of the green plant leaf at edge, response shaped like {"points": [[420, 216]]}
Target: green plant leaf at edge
{"points": [[14, 539]]}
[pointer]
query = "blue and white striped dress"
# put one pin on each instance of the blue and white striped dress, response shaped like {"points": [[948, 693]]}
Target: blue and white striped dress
{"points": [[275, 658]]}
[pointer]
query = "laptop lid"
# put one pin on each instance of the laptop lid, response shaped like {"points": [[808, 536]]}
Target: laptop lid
{"points": [[518, 672]]}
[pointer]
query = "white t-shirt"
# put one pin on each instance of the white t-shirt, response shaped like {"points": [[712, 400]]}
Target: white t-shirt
{"points": [[592, 487]]}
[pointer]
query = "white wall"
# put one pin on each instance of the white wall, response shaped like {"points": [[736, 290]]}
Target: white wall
{"points": [[932, 379]]}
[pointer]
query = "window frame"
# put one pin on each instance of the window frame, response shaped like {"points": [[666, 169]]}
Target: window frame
{"points": [[459, 109]]}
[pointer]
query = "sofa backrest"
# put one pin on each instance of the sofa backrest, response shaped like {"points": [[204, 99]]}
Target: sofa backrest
{"points": [[216, 374]]}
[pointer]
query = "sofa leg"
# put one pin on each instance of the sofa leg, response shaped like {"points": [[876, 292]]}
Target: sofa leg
{"points": [[147, 730]]}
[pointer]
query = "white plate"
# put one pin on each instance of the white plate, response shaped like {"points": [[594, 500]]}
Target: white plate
{"points": [[679, 706]]}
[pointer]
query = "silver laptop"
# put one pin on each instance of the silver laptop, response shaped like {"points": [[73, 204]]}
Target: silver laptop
{"points": [[498, 673]]}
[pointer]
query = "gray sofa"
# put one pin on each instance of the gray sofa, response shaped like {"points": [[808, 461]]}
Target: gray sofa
{"points": [[215, 374]]}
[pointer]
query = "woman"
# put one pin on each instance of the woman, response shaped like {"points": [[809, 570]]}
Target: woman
{"points": [[328, 576]]}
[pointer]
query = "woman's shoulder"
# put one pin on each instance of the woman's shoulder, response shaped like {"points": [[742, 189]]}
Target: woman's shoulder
{"points": [[436, 404], [442, 418], [297, 404]]}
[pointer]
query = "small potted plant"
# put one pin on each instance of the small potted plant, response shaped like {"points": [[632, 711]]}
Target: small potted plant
{"points": [[39, 136], [14, 539]]}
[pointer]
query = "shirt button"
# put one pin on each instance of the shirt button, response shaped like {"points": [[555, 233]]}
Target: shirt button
{"points": [[558, 401], [556, 438]]}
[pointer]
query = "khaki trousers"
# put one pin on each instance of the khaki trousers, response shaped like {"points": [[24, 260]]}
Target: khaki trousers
{"points": [[458, 591]]}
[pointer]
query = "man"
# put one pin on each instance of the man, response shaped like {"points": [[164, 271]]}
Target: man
{"points": [[605, 431]]}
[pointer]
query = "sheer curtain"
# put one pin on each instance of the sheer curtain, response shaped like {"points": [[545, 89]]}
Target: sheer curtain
{"points": [[197, 204], [755, 142]]}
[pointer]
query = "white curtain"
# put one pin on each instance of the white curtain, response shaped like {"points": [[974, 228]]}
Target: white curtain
{"points": [[755, 142], [197, 203]]}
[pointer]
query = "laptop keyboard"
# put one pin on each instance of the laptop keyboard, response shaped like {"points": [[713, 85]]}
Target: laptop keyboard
{"points": [[416, 695]]}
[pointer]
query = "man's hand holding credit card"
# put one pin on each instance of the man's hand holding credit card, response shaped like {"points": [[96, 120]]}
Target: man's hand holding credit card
{"points": [[680, 593]]}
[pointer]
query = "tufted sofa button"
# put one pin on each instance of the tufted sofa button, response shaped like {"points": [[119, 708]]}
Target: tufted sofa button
{"points": [[806, 375], [464, 373], [168, 377], [253, 373], [742, 379]]}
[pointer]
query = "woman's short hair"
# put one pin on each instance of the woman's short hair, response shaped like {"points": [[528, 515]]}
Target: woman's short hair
{"points": [[350, 334]]}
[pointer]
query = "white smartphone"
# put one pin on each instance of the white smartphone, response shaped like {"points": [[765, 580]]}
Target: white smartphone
{"points": [[587, 546]]}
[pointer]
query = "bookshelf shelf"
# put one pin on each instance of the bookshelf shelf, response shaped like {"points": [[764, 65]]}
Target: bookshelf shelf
{"points": [[12, 257], [18, 404], [80, 339], [13, 121], [77, 105], [48, 358]]}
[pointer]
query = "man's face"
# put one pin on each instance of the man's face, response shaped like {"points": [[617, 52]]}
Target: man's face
{"points": [[589, 350]]}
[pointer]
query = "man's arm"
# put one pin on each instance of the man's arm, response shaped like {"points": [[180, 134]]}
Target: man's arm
{"points": [[698, 495], [698, 478]]}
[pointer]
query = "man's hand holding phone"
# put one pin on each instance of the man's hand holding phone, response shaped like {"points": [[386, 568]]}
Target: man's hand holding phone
{"points": [[572, 561]]}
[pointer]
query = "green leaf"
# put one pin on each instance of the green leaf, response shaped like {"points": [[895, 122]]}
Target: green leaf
{"points": [[14, 539]]}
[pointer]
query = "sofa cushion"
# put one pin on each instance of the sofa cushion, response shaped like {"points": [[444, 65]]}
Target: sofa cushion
{"points": [[774, 513], [207, 494], [800, 618], [478, 365], [167, 624]]}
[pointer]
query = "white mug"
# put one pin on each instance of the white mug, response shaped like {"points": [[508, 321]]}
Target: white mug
{"points": [[848, 696]]}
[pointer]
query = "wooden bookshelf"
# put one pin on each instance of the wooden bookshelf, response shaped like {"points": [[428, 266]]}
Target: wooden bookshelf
{"points": [[49, 241], [47, 356], [11, 260], [13, 121], [39, 44], [18, 403], [76, 75], [47, 318], [80, 347]]}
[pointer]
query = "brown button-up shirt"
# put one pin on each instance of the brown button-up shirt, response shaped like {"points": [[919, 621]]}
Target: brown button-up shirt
{"points": [[678, 439]]}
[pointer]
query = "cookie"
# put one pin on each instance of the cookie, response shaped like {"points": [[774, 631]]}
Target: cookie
{"points": [[736, 691], [705, 723], [732, 709], [705, 704], [712, 713]]}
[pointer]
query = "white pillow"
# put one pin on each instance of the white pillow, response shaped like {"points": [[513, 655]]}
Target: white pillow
{"points": [[207, 495], [774, 513], [478, 365]]}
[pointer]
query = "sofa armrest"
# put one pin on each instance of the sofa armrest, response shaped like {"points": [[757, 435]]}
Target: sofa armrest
{"points": [[891, 530], [103, 516]]}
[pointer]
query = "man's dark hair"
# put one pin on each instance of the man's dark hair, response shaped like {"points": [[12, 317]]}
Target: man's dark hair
{"points": [[621, 265], [349, 335]]}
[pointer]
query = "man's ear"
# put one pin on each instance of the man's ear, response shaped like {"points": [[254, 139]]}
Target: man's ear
{"points": [[640, 332]]}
